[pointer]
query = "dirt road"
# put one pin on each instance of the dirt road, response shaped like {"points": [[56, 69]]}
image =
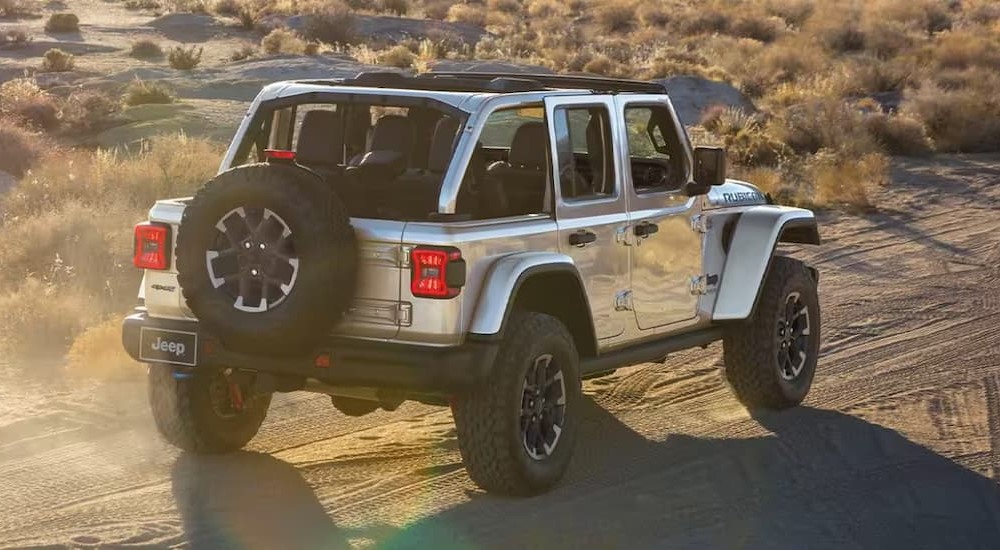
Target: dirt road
{"points": [[898, 444]]}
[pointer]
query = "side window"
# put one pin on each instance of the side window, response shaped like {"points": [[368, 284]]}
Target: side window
{"points": [[655, 151], [584, 153]]}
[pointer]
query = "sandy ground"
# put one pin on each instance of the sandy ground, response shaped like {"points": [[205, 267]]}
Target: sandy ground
{"points": [[898, 444]]}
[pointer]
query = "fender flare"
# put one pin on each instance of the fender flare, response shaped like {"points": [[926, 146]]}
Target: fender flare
{"points": [[503, 281], [755, 238]]}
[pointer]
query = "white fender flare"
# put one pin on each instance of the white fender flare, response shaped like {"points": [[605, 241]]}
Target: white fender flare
{"points": [[754, 240]]}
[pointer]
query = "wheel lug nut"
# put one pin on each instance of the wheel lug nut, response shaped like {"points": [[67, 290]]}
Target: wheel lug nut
{"points": [[262, 246]]}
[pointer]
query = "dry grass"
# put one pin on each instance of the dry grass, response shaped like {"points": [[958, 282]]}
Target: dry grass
{"points": [[332, 23], [67, 237]]}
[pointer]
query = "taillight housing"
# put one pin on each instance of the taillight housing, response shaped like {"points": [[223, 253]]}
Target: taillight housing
{"points": [[152, 246], [438, 272]]}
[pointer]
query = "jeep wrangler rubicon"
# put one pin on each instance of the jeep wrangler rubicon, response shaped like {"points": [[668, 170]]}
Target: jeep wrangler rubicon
{"points": [[480, 240]]}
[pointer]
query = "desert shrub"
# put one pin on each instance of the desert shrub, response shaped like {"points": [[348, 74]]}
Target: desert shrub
{"points": [[145, 48], [16, 91], [616, 15], [62, 22], [545, 9], [652, 14], [701, 20], [764, 29], [847, 180], [603, 65], [745, 136], [437, 9], [141, 92], [963, 50], [398, 56], [142, 4], [824, 124], [40, 112], [504, 6], [56, 60], [333, 24], [793, 12], [21, 148], [311, 48], [88, 110], [229, 8], [899, 134], [183, 58], [886, 39], [245, 51], [18, 8], [785, 61], [396, 7], [360, 4], [963, 120], [467, 13], [188, 6], [282, 40], [14, 38], [248, 16], [929, 16]]}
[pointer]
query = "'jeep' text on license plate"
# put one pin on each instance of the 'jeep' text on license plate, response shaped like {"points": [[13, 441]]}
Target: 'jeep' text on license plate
{"points": [[168, 346]]}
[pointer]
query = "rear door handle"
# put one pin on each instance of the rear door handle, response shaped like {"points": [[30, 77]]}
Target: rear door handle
{"points": [[646, 229], [582, 238]]}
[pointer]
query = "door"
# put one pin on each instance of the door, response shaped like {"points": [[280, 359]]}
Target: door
{"points": [[590, 205], [666, 247]]}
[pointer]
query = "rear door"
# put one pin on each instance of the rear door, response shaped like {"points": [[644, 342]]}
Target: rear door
{"points": [[667, 246], [590, 205]]}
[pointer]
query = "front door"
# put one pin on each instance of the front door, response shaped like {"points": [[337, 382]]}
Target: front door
{"points": [[667, 250], [590, 205]]}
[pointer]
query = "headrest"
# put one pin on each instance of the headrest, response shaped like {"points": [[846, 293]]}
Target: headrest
{"points": [[320, 138], [441, 144], [529, 146]]}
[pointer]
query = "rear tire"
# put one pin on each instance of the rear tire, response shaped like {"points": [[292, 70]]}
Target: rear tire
{"points": [[516, 433], [770, 358], [191, 415]]}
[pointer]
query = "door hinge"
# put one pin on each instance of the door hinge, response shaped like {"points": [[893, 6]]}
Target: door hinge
{"points": [[700, 223], [625, 235], [703, 284], [623, 300]]}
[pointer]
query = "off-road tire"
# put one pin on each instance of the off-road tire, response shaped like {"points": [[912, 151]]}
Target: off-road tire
{"points": [[323, 242], [488, 418], [184, 415], [751, 348]]}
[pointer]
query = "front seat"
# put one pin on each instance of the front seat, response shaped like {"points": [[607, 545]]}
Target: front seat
{"points": [[523, 174], [321, 142]]}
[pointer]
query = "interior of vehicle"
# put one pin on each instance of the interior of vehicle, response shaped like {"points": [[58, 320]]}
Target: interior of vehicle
{"points": [[388, 161]]}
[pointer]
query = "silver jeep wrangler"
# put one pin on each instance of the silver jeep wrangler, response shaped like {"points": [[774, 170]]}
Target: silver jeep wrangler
{"points": [[480, 240]]}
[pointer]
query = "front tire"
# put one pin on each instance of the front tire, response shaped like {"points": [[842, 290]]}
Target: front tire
{"points": [[201, 413], [517, 429], [770, 358]]}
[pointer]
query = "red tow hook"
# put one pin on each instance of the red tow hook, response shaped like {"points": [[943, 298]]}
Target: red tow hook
{"points": [[236, 397]]}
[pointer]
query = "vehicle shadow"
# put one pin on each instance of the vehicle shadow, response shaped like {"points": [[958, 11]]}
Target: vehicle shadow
{"points": [[822, 480], [250, 500]]}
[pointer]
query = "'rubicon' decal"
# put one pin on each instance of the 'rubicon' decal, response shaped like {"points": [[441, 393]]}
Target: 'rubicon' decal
{"points": [[744, 196]]}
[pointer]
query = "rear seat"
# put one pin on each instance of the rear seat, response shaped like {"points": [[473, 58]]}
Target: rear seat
{"points": [[522, 178]]}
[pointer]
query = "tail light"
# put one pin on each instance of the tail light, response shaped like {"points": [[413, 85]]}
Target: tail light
{"points": [[152, 246], [438, 272]]}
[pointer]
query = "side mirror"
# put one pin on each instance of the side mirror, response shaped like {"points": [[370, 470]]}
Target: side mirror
{"points": [[709, 166]]}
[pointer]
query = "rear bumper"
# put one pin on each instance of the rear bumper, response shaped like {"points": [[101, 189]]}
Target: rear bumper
{"points": [[352, 362]]}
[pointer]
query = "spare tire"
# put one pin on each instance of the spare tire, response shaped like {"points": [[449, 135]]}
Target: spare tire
{"points": [[266, 258]]}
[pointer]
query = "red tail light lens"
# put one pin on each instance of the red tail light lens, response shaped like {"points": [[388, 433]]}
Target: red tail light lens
{"points": [[279, 154], [152, 246], [438, 272]]}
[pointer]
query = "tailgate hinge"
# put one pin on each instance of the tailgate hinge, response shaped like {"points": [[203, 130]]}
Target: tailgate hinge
{"points": [[703, 284], [623, 301]]}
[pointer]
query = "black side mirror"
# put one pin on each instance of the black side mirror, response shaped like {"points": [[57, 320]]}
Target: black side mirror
{"points": [[709, 166]]}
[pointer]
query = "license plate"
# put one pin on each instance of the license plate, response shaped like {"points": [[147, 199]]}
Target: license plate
{"points": [[158, 345]]}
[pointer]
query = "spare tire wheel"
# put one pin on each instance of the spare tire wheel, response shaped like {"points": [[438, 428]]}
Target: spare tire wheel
{"points": [[266, 258]]}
